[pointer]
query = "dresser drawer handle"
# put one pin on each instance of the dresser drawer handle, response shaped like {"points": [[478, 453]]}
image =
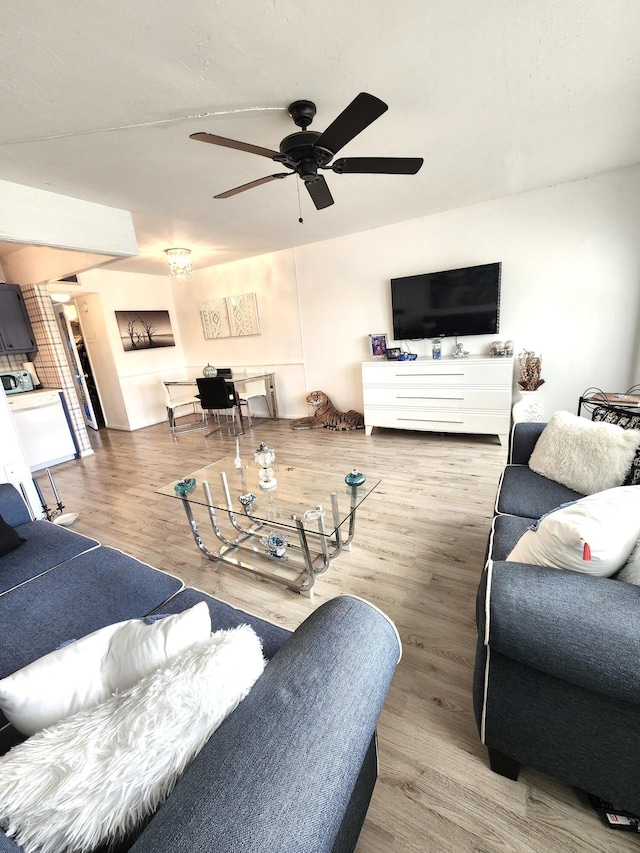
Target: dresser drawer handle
{"points": [[424, 397], [430, 421]]}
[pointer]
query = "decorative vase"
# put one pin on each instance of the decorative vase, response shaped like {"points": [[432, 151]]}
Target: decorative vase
{"points": [[264, 456], [209, 371], [355, 478], [527, 408], [276, 545]]}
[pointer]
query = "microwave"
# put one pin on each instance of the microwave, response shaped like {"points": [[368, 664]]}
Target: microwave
{"points": [[16, 381]]}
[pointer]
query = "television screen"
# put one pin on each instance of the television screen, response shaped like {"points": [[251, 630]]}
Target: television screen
{"points": [[452, 302]]}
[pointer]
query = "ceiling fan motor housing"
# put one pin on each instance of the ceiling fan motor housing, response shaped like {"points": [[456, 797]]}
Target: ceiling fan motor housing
{"points": [[299, 152]]}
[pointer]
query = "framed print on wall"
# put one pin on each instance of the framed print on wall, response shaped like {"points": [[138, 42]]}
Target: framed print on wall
{"points": [[230, 316], [377, 345], [144, 329]]}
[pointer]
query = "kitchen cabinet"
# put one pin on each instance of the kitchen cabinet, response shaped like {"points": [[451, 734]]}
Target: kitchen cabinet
{"points": [[16, 334]]}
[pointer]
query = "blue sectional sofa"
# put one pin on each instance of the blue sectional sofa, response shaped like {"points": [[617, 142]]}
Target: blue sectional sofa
{"points": [[292, 768], [555, 684]]}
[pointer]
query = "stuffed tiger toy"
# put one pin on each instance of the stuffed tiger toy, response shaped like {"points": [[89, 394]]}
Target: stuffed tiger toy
{"points": [[326, 415]]}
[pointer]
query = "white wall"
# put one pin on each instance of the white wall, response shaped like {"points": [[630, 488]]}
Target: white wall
{"points": [[279, 347], [128, 381], [570, 289], [570, 285]]}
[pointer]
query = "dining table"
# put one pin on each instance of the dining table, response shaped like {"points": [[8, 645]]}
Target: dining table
{"points": [[240, 380]]}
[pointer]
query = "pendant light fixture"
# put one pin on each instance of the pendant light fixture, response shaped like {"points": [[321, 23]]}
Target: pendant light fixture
{"points": [[179, 263]]}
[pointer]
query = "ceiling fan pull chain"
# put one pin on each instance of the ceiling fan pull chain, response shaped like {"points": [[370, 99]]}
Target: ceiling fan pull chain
{"points": [[300, 220]]}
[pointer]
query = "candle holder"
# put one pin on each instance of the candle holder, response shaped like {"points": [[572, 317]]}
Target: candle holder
{"points": [[240, 468], [56, 515], [276, 545], [264, 456]]}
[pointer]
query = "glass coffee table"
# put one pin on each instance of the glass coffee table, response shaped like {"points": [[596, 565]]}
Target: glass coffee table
{"points": [[288, 534]]}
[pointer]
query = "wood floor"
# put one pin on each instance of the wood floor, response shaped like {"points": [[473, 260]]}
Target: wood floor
{"points": [[418, 552]]}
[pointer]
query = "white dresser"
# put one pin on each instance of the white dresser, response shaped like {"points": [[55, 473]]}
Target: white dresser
{"points": [[470, 395]]}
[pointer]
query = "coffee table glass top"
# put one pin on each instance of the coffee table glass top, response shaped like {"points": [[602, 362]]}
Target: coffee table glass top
{"points": [[298, 494]]}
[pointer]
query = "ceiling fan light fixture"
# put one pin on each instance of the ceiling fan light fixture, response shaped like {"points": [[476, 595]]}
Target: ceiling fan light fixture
{"points": [[179, 261]]}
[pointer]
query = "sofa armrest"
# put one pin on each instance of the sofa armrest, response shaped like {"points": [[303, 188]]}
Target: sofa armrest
{"points": [[523, 439], [279, 773], [581, 629]]}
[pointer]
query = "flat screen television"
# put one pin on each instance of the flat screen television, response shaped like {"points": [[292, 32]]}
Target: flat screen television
{"points": [[441, 304]]}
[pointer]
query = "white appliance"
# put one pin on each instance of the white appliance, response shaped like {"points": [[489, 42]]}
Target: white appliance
{"points": [[43, 426]]}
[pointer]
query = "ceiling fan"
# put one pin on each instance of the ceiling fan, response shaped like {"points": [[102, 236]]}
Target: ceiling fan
{"points": [[306, 151]]}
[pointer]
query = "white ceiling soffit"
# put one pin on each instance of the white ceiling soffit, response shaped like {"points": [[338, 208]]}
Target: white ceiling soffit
{"points": [[498, 96]]}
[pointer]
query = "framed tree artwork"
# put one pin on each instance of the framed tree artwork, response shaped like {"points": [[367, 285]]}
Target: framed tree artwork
{"points": [[144, 330]]}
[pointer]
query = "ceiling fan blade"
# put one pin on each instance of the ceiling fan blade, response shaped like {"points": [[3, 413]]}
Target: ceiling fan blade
{"points": [[319, 191], [377, 165], [232, 143], [361, 112], [253, 184]]}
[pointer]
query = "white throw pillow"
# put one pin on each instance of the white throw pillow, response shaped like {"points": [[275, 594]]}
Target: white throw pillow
{"points": [[630, 572], [93, 777], [594, 535], [88, 671], [586, 456]]}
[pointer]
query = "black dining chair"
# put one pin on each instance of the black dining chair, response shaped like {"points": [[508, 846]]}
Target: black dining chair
{"points": [[219, 396]]}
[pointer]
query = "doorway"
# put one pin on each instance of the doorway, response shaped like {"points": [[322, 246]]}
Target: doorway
{"points": [[80, 365]]}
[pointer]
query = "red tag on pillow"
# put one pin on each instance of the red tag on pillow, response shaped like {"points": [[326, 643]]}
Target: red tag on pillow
{"points": [[586, 552]]}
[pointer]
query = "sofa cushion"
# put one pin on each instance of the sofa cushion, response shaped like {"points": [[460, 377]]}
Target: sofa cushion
{"points": [[46, 545], [584, 455], [225, 617], [594, 535], [524, 436], [88, 671], [14, 509], [88, 592], [9, 538], [506, 530], [522, 492], [96, 775]]}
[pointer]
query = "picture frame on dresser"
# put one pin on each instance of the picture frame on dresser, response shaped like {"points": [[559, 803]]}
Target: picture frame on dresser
{"points": [[377, 345]]}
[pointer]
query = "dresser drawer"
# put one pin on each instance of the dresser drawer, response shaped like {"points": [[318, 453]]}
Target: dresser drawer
{"points": [[451, 372], [437, 398], [440, 420]]}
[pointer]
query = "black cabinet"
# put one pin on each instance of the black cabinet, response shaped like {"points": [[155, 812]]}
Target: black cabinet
{"points": [[16, 334]]}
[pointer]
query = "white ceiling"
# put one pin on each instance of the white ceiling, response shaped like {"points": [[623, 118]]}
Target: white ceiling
{"points": [[97, 101]]}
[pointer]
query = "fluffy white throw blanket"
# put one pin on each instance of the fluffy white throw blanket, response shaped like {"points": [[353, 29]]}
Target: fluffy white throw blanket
{"points": [[94, 776]]}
